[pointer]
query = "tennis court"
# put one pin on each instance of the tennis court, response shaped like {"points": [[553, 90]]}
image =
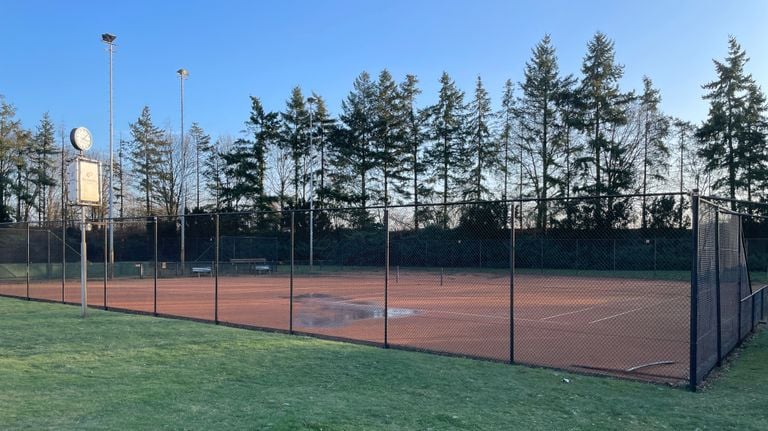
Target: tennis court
{"points": [[627, 326]]}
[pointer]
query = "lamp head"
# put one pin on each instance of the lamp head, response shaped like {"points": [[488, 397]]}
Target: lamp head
{"points": [[108, 38], [183, 73]]}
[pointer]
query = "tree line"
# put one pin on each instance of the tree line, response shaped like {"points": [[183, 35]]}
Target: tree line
{"points": [[555, 135]]}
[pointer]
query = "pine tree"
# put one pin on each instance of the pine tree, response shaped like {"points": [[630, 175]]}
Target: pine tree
{"points": [[388, 135], [506, 117], [655, 131], [539, 116], [413, 184], [721, 131], [481, 147], [603, 108], [354, 155], [213, 170], [246, 164], [42, 155], [147, 142], [448, 154], [324, 127], [202, 144], [295, 122], [752, 138]]}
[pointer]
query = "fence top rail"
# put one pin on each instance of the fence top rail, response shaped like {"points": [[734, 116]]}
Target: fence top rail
{"points": [[753, 294], [730, 211], [739, 201], [514, 200]]}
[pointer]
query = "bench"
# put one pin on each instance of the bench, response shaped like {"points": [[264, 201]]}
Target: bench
{"points": [[201, 270], [258, 265]]}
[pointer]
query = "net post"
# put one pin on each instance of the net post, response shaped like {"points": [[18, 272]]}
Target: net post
{"points": [[718, 311], [28, 258], [512, 285], [216, 271], [386, 278], [154, 276], [293, 256], [693, 343]]}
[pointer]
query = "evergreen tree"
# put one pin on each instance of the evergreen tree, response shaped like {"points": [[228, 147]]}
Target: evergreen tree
{"points": [[42, 160], [413, 184], [655, 132], [214, 168], [506, 117], [752, 137], [538, 113], [202, 144], [354, 155], [246, 165], [448, 153], [295, 139], [147, 142], [722, 132], [388, 134], [482, 148], [324, 127], [603, 108]]}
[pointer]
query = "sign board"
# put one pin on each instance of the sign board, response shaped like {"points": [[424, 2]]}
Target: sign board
{"points": [[86, 182]]}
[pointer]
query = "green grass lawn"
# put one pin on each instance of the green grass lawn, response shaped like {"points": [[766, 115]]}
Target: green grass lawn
{"points": [[120, 371]]}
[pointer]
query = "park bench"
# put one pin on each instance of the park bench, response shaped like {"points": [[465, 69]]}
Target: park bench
{"points": [[259, 265], [199, 270]]}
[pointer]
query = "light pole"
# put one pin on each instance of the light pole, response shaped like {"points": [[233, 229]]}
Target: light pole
{"points": [[311, 101], [183, 74], [109, 39]]}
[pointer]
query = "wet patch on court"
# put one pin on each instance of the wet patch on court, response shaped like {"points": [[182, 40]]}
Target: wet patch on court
{"points": [[320, 310]]}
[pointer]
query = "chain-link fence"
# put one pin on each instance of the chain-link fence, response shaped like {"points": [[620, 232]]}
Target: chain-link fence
{"points": [[728, 302], [595, 285]]}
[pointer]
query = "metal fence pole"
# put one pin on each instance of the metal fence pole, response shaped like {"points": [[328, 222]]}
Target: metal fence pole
{"points": [[154, 289], [717, 290], [293, 256], [386, 278], [541, 254], [63, 255], [512, 286], [216, 272], [694, 290], [28, 255], [106, 264], [738, 291]]}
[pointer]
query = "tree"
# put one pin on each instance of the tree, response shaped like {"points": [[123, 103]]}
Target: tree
{"points": [[146, 154], [202, 144], [506, 117], [294, 138], [42, 155], [246, 164], [388, 133], [729, 129], [11, 136], [538, 113], [413, 184], [324, 127], [213, 170], [603, 108], [445, 128], [354, 156], [483, 149], [655, 132]]}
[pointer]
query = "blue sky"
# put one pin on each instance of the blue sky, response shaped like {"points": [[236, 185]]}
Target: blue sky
{"points": [[52, 59]]}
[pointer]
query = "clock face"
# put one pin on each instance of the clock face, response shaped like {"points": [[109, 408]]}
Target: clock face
{"points": [[81, 138]]}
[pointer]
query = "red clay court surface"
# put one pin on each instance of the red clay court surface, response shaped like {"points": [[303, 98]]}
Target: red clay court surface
{"points": [[592, 324]]}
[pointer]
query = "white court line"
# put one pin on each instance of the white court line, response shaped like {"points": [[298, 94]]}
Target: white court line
{"points": [[632, 311], [590, 308], [565, 314]]}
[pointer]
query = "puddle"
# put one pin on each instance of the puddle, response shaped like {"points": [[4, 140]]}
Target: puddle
{"points": [[320, 310]]}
